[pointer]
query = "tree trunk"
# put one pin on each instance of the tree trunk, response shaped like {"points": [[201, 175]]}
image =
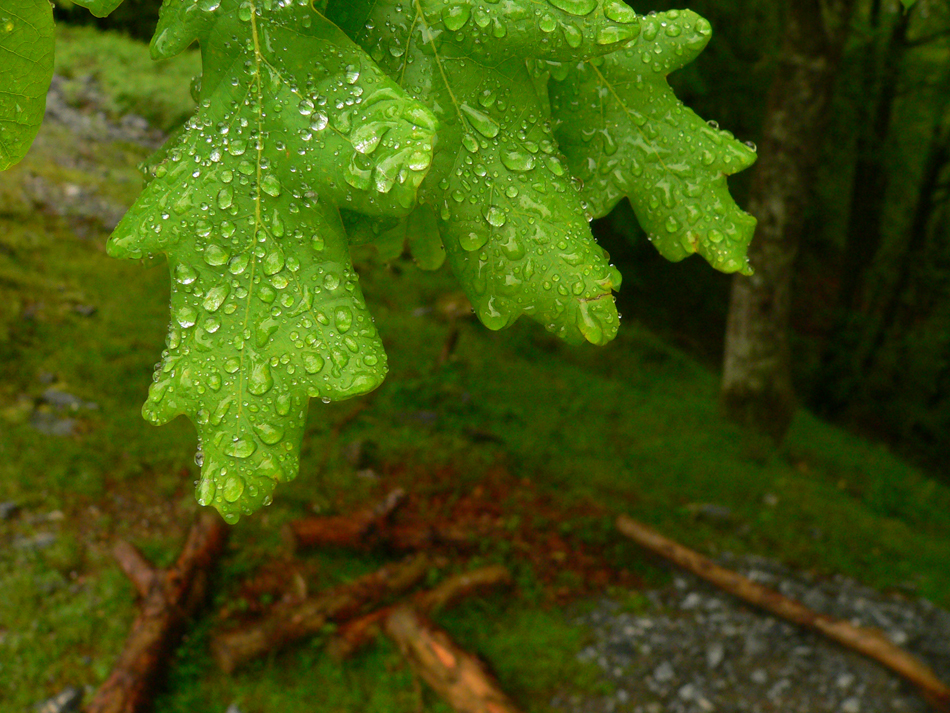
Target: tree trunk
{"points": [[757, 386]]}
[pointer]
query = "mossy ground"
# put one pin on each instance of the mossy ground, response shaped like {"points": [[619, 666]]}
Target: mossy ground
{"points": [[632, 427]]}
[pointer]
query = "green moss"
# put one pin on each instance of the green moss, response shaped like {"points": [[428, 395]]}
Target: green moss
{"points": [[126, 75]]}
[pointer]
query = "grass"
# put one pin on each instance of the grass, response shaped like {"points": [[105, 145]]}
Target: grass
{"points": [[633, 428]]}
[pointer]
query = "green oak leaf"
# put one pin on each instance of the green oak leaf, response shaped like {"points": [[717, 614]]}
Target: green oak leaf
{"points": [[508, 215], [99, 8], [26, 46], [624, 133], [294, 122]]}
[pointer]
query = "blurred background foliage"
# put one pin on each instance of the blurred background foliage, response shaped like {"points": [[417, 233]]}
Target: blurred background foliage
{"points": [[871, 312]]}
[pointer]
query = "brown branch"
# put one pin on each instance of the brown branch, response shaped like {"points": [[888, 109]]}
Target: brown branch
{"points": [[869, 642], [457, 676], [355, 530], [290, 623], [356, 633], [372, 528], [169, 598], [135, 566]]}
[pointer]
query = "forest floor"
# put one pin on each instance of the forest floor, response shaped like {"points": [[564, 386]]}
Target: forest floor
{"points": [[533, 445]]}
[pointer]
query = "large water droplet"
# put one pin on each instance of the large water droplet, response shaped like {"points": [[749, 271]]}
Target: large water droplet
{"points": [[472, 240], [312, 363], [216, 296], [225, 197], [615, 33], [215, 255], [517, 161], [454, 17], [495, 216], [319, 121], [265, 330], [260, 380], [185, 274], [270, 185], [269, 434], [575, 7], [547, 24], [619, 12], [273, 262], [187, 316], [233, 488], [481, 122], [344, 319], [206, 489], [366, 137]]}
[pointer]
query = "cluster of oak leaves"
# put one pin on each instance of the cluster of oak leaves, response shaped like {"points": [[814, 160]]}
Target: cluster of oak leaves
{"points": [[483, 132]]}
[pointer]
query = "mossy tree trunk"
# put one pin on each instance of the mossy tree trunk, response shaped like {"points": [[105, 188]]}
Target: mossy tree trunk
{"points": [[757, 387]]}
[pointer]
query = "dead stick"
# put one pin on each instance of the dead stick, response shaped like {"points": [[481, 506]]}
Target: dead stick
{"points": [[319, 531], [290, 623], [356, 633], [169, 598], [456, 675], [354, 530], [869, 642]]}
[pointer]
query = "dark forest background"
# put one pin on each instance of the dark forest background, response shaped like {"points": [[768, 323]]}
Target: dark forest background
{"points": [[866, 237]]}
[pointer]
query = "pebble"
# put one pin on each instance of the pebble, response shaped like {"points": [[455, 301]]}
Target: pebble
{"points": [[697, 650], [37, 542], [66, 701], [9, 510]]}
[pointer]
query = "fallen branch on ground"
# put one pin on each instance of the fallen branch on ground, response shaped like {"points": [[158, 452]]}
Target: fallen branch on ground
{"points": [[290, 623], [457, 676], [169, 597], [869, 642], [371, 528], [356, 633], [358, 529]]}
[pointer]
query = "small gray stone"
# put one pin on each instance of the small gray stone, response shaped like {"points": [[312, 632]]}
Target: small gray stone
{"points": [[687, 692], [37, 542], [66, 701], [664, 672], [692, 600], [9, 509], [759, 676], [714, 655], [898, 636], [851, 705], [844, 681], [52, 425]]}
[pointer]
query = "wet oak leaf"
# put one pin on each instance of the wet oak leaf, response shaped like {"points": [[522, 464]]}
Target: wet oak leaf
{"points": [[316, 130], [294, 121], [624, 133], [26, 49], [99, 8], [509, 217]]}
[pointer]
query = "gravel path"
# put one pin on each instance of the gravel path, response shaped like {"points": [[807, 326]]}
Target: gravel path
{"points": [[695, 649]]}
